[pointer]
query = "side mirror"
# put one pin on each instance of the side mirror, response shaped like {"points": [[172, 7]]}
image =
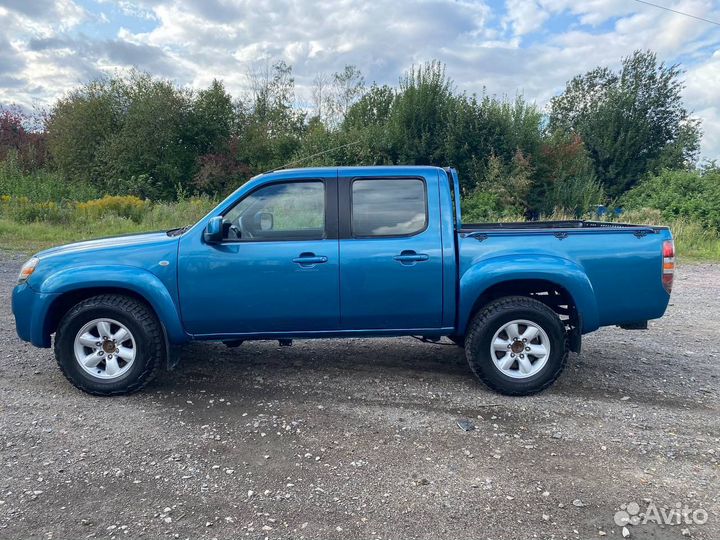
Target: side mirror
{"points": [[264, 221], [214, 230]]}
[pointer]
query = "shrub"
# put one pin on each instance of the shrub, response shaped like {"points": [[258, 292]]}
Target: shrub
{"points": [[480, 206], [40, 185], [184, 212], [23, 210], [578, 194], [691, 195], [127, 206], [27, 146]]}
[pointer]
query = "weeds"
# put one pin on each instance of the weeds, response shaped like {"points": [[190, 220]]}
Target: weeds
{"points": [[42, 212]]}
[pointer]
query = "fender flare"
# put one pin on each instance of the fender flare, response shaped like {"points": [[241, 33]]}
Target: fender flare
{"points": [[562, 272], [136, 280]]}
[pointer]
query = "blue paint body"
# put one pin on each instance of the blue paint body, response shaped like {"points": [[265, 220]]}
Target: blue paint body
{"points": [[351, 286]]}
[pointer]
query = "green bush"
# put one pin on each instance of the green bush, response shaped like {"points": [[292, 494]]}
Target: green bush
{"points": [[23, 210], [128, 206], [167, 215], [480, 206], [690, 195], [576, 194], [40, 185]]}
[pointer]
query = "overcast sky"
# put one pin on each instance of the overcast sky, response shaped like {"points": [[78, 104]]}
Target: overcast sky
{"points": [[530, 46]]}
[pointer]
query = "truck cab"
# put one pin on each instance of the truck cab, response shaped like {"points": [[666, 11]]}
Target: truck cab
{"points": [[343, 252]]}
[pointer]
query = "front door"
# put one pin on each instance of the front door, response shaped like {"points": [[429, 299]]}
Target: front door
{"points": [[390, 253], [276, 270]]}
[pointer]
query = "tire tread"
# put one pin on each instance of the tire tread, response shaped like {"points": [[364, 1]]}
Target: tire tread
{"points": [[480, 320], [135, 309]]}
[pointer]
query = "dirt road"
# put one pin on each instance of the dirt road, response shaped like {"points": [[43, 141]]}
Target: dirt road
{"points": [[358, 439]]}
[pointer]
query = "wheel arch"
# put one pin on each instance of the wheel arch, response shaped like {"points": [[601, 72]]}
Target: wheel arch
{"points": [[136, 283], [64, 302], [557, 282]]}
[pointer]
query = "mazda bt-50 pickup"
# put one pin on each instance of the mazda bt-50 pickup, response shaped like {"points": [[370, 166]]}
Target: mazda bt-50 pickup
{"points": [[343, 252]]}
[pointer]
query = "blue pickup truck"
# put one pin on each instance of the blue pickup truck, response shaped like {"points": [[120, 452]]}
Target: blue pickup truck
{"points": [[343, 252]]}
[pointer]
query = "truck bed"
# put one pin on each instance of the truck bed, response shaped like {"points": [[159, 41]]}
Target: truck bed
{"points": [[469, 228], [618, 264]]}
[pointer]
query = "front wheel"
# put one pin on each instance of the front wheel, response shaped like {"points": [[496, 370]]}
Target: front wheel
{"points": [[516, 345], [109, 345]]}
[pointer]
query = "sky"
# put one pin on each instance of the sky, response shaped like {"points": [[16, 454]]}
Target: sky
{"points": [[532, 47]]}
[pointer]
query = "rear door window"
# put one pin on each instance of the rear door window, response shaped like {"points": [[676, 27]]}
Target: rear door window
{"points": [[388, 207]]}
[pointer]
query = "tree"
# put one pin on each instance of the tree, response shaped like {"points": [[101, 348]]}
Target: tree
{"points": [[420, 114], [212, 119], [374, 108], [139, 134], [482, 127], [212, 128], [566, 177], [21, 141], [348, 86], [320, 96], [633, 121], [78, 126], [270, 127], [153, 152]]}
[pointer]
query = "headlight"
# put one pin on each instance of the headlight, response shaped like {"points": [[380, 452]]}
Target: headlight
{"points": [[27, 269]]}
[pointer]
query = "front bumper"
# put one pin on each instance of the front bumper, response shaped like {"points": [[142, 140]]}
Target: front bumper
{"points": [[30, 309]]}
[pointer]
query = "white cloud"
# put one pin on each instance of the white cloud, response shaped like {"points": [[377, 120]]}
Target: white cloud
{"points": [[592, 12], [702, 84], [531, 46], [525, 16]]}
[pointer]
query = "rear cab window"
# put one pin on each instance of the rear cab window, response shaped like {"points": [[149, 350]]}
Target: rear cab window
{"points": [[387, 207]]}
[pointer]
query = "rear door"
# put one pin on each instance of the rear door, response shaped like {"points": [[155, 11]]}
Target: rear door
{"points": [[390, 252]]}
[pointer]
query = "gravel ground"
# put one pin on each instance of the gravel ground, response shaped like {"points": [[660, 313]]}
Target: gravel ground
{"points": [[358, 439]]}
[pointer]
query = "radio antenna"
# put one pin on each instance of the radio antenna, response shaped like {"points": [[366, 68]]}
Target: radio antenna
{"points": [[297, 161]]}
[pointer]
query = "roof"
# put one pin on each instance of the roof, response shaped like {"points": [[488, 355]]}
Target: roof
{"points": [[379, 169]]}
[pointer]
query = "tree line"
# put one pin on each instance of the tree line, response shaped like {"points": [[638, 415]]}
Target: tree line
{"points": [[137, 134]]}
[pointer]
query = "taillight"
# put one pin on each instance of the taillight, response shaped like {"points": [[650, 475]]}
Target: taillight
{"points": [[668, 269]]}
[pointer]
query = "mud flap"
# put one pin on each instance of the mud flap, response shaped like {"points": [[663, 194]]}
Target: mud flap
{"points": [[575, 340], [173, 356]]}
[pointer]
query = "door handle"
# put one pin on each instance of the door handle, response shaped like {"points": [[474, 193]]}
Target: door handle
{"points": [[309, 259], [410, 257]]}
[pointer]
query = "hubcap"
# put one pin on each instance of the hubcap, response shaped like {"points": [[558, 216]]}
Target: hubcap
{"points": [[105, 348], [520, 349]]}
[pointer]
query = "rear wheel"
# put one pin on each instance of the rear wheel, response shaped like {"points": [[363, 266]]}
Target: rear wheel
{"points": [[517, 346], [109, 344]]}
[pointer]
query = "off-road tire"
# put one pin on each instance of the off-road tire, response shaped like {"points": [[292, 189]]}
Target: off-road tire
{"points": [[142, 323], [491, 318]]}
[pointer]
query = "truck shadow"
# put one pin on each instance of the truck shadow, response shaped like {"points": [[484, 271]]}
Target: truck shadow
{"points": [[379, 356], [406, 365]]}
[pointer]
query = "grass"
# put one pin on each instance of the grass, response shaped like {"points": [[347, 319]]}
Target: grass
{"points": [[37, 234], [39, 210], [41, 185], [32, 237], [694, 243]]}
